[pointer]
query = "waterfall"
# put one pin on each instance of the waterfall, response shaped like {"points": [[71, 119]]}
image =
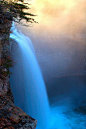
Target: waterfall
{"points": [[36, 101], [28, 88]]}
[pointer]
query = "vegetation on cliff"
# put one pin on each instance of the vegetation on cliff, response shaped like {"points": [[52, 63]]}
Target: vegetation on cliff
{"points": [[16, 10], [11, 10]]}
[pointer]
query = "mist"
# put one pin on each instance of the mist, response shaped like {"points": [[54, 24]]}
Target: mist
{"points": [[59, 42]]}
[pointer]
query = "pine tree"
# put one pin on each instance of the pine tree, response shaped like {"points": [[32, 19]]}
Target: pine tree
{"points": [[11, 10], [16, 10]]}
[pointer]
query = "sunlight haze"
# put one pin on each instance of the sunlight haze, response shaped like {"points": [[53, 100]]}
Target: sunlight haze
{"points": [[60, 15]]}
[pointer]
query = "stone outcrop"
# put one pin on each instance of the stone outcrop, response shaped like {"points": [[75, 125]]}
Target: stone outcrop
{"points": [[11, 117]]}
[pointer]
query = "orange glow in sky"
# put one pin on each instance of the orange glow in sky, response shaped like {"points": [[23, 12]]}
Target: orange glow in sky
{"points": [[68, 15]]}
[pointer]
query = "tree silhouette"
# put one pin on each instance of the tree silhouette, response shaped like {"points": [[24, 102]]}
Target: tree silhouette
{"points": [[16, 10], [11, 10]]}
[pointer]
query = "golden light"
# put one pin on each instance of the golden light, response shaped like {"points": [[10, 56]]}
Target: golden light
{"points": [[51, 7], [67, 15]]}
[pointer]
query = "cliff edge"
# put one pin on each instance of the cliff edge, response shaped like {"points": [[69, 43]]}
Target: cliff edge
{"points": [[11, 117]]}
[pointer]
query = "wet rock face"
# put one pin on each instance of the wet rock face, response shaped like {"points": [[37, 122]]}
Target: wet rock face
{"points": [[3, 86], [12, 117]]}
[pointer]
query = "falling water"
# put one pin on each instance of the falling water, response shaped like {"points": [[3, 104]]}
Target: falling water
{"points": [[36, 101], [32, 93]]}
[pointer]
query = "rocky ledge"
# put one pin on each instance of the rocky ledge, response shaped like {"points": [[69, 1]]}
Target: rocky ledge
{"points": [[12, 117]]}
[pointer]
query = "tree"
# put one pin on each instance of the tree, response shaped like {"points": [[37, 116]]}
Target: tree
{"points": [[11, 10], [16, 10]]}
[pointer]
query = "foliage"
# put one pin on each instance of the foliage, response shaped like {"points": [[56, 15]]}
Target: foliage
{"points": [[11, 10], [17, 10], [7, 62]]}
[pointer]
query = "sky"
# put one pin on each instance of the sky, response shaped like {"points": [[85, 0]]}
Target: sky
{"points": [[62, 16]]}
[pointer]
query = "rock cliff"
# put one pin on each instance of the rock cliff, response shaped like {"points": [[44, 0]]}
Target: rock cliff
{"points": [[11, 117]]}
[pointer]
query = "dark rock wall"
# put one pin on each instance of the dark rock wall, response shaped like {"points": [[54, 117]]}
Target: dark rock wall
{"points": [[11, 117]]}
